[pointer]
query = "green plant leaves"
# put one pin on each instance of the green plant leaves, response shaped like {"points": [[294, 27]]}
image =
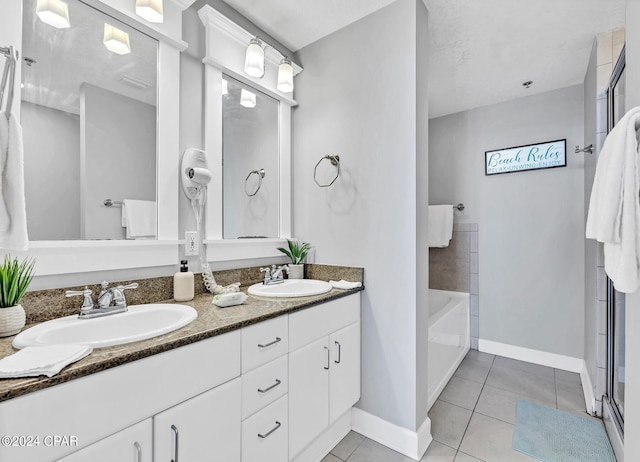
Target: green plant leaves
{"points": [[297, 251], [15, 278]]}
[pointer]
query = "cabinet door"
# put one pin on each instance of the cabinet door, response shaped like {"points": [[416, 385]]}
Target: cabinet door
{"points": [[133, 444], [344, 376], [204, 428], [308, 394]]}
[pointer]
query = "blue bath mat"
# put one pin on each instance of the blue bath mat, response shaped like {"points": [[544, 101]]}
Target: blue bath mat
{"points": [[552, 435]]}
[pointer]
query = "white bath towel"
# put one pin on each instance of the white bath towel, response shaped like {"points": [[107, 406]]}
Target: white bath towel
{"points": [[140, 218], [614, 206], [41, 360], [13, 214], [440, 227]]}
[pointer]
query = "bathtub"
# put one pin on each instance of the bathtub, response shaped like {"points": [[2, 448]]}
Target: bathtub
{"points": [[448, 338]]}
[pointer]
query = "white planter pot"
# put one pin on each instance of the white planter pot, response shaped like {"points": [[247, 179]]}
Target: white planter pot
{"points": [[11, 320], [296, 271]]}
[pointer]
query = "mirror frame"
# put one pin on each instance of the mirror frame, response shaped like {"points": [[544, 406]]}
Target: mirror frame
{"points": [[68, 257], [226, 44]]}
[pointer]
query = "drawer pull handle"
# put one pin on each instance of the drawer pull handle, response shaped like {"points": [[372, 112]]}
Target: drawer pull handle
{"points": [[328, 358], [337, 361], [138, 451], [175, 443], [278, 339], [278, 424], [278, 382]]}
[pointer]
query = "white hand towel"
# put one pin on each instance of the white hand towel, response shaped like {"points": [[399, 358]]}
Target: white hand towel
{"points": [[41, 360], [13, 213], [440, 227], [141, 218], [614, 206], [342, 284]]}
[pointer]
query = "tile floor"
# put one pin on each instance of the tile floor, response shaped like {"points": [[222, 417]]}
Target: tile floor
{"points": [[474, 418]]}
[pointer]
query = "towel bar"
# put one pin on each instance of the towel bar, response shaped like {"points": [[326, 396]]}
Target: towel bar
{"points": [[459, 207], [112, 203]]}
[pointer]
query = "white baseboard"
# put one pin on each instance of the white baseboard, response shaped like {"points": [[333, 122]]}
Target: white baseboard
{"points": [[587, 389], [323, 444], [543, 358], [409, 443]]}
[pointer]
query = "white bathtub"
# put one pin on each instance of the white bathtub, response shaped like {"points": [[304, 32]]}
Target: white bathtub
{"points": [[448, 337]]}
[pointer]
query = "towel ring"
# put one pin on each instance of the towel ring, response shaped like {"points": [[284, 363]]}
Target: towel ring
{"points": [[260, 174], [335, 161]]}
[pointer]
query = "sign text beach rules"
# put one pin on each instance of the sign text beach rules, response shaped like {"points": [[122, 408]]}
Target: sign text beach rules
{"points": [[530, 157]]}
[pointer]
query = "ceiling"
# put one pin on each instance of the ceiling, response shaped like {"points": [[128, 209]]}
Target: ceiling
{"points": [[480, 52]]}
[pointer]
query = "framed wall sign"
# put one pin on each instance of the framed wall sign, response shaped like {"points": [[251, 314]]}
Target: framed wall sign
{"points": [[550, 154]]}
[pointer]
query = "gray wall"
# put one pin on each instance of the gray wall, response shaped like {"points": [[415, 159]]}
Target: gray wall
{"points": [[590, 246], [51, 164], [358, 98], [119, 156], [531, 273]]}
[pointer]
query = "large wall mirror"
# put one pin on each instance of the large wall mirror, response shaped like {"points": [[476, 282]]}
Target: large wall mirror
{"points": [[250, 155], [89, 116]]}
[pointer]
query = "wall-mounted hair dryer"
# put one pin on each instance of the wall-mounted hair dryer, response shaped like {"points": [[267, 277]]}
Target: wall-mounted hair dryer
{"points": [[195, 173]]}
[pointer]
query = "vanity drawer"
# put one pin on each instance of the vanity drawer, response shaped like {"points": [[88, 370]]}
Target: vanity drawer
{"points": [[264, 342], [264, 385], [308, 325], [265, 434]]}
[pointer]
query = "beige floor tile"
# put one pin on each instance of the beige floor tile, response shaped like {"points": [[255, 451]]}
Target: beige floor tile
{"points": [[347, 445], [448, 423], [534, 386], [473, 369], [438, 452], [501, 404], [524, 366], [461, 392], [370, 451]]}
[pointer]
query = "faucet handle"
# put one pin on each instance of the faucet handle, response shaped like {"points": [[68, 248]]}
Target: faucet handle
{"points": [[266, 270], [87, 303], [133, 285]]}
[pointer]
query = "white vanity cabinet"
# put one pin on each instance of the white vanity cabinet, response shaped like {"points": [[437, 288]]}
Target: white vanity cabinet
{"points": [[133, 444], [206, 427], [324, 368]]}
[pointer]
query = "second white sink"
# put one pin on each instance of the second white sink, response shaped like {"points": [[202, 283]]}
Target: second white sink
{"points": [[290, 288], [140, 322]]}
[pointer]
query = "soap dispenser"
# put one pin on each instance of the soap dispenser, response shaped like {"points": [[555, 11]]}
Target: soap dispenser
{"points": [[183, 287]]}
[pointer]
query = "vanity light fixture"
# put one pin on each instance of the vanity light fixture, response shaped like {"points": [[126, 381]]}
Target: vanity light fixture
{"points": [[53, 12], [254, 59], [247, 99], [151, 10], [285, 76], [115, 40]]}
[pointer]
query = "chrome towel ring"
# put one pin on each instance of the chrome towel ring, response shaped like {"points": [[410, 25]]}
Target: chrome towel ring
{"points": [[260, 174], [335, 161]]}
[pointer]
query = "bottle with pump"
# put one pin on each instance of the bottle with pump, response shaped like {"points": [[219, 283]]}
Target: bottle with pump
{"points": [[183, 286]]}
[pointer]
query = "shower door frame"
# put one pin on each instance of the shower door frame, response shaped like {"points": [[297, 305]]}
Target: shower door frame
{"points": [[611, 407]]}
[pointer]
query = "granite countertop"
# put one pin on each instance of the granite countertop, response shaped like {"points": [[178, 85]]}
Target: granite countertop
{"points": [[211, 321]]}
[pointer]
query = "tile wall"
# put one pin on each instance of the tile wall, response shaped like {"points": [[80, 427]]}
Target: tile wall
{"points": [[456, 268]]}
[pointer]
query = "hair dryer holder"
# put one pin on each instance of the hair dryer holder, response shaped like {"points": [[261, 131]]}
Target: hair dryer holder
{"points": [[194, 160]]}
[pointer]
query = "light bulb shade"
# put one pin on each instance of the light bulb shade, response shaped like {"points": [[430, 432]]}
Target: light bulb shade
{"points": [[254, 59], [53, 12], [285, 76], [115, 40], [247, 99], [151, 10]]}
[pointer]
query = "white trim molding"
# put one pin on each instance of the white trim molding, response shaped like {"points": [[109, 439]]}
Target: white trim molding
{"points": [[543, 358], [412, 444], [587, 389]]}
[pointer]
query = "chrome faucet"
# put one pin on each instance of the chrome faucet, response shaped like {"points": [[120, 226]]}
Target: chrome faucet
{"points": [[110, 301], [274, 275]]}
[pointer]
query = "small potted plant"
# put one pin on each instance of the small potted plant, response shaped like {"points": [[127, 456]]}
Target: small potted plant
{"points": [[15, 277], [297, 252]]}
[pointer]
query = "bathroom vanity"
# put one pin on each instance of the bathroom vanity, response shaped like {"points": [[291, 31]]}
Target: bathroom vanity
{"points": [[271, 380]]}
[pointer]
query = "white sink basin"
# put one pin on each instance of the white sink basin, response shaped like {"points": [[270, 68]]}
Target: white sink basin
{"points": [[138, 323], [290, 288]]}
